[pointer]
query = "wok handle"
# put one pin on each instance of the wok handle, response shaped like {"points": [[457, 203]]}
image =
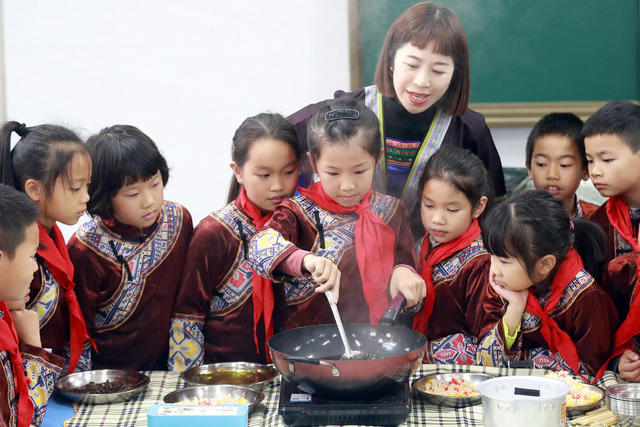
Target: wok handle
{"points": [[311, 361], [390, 315]]}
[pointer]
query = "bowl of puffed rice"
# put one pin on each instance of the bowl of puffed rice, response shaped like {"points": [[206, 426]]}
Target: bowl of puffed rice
{"points": [[210, 395], [455, 389], [581, 397]]}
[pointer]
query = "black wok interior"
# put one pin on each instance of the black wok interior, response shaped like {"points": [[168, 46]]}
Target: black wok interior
{"points": [[323, 341]]}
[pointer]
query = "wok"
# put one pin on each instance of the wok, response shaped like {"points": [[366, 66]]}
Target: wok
{"points": [[310, 358]]}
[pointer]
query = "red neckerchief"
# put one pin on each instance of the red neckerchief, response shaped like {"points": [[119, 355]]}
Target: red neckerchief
{"points": [[557, 339], [374, 242], [54, 252], [619, 218], [439, 254], [9, 343], [263, 301]]}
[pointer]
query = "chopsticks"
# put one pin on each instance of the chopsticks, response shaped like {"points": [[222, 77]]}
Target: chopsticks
{"points": [[600, 417]]}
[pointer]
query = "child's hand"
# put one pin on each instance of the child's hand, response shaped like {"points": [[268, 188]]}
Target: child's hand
{"points": [[26, 324], [409, 284], [518, 299], [629, 366], [324, 272], [517, 302], [15, 305]]}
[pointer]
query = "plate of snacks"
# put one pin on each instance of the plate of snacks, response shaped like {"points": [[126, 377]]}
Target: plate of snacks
{"points": [[101, 386], [456, 389], [210, 395], [581, 397]]}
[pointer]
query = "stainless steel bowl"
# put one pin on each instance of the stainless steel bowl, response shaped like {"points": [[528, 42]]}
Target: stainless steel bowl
{"points": [[252, 375], [624, 401], [253, 396], [420, 387], [68, 384], [574, 409]]}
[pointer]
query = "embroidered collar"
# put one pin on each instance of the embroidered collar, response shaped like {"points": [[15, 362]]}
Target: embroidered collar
{"points": [[131, 233]]}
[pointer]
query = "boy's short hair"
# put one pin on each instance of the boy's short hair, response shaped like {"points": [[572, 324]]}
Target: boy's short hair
{"points": [[17, 212], [564, 124], [621, 118], [121, 155]]}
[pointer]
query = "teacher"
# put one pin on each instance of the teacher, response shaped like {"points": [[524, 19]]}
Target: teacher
{"points": [[421, 96]]}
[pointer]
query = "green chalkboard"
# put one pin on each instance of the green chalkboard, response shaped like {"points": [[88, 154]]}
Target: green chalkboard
{"points": [[533, 50]]}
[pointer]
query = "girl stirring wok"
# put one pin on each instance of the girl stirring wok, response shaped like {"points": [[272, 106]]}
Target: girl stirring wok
{"points": [[339, 232]]}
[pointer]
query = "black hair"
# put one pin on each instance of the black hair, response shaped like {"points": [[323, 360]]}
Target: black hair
{"points": [[419, 25], [621, 118], [43, 153], [463, 170], [321, 131], [532, 224], [261, 126], [563, 124], [17, 212], [122, 155]]}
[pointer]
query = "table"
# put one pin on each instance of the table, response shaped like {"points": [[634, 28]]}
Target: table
{"points": [[134, 412]]}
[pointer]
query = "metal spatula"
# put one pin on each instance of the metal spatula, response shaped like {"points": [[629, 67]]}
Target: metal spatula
{"points": [[348, 353]]}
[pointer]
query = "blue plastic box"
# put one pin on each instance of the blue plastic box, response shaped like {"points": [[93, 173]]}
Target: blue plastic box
{"points": [[176, 415]]}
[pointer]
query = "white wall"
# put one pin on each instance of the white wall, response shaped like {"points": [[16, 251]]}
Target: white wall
{"points": [[185, 72]]}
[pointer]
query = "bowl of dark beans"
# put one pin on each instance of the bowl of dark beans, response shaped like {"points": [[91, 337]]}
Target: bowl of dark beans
{"points": [[101, 386]]}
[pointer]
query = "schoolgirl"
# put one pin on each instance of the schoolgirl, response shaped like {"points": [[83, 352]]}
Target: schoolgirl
{"points": [[52, 166], [556, 313], [220, 294], [129, 256], [339, 233], [455, 191]]}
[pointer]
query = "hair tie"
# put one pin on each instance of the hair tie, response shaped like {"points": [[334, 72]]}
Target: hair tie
{"points": [[571, 224], [342, 114], [21, 130]]}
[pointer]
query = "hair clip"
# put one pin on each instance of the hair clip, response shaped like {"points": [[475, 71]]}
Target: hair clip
{"points": [[21, 130], [571, 225], [342, 114]]}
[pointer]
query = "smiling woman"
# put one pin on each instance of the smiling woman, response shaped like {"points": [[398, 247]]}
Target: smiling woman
{"points": [[420, 96]]}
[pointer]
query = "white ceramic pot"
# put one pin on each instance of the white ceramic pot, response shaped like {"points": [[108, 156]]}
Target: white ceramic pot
{"points": [[524, 401]]}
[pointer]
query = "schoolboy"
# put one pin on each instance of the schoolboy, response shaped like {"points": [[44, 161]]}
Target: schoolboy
{"points": [[29, 372], [612, 145], [556, 161]]}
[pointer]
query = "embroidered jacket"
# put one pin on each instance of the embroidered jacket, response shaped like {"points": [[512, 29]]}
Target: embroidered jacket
{"points": [[584, 312], [213, 316], [294, 225], [126, 282]]}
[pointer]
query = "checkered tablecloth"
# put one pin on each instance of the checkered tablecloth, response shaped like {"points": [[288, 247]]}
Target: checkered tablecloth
{"points": [[134, 412]]}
